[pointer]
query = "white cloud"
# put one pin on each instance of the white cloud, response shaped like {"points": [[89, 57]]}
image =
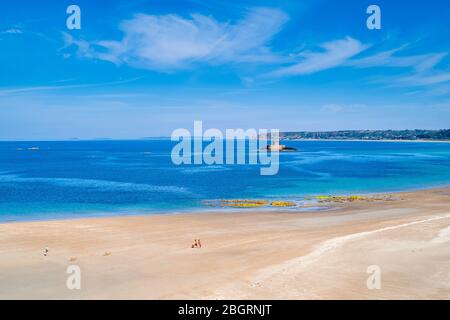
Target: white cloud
{"points": [[421, 62], [172, 42], [168, 42], [84, 48], [21, 90], [12, 31], [334, 108], [424, 79], [340, 108], [423, 68], [334, 54]]}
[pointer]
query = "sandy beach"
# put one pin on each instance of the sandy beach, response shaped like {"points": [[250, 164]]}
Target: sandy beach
{"points": [[246, 255]]}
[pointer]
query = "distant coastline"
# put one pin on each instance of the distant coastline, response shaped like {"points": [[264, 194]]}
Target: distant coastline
{"points": [[407, 135], [415, 135], [366, 140]]}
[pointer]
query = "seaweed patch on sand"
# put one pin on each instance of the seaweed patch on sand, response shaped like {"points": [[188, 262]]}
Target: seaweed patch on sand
{"points": [[248, 203], [236, 203], [353, 198], [307, 202]]}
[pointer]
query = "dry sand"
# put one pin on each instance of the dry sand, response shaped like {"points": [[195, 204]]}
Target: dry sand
{"points": [[248, 255]]}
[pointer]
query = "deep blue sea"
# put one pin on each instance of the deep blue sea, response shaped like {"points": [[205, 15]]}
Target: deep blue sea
{"points": [[54, 180]]}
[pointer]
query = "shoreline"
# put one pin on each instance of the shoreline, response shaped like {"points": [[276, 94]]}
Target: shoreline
{"points": [[251, 254], [225, 210]]}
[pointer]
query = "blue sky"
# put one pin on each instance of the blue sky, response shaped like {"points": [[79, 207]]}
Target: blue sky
{"points": [[146, 67]]}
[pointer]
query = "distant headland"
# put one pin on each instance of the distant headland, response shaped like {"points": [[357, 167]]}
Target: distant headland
{"points": [[400, 135]]}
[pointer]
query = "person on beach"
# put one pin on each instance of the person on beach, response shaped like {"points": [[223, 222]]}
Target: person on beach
{"points": [[197, 244], [45, 252]]}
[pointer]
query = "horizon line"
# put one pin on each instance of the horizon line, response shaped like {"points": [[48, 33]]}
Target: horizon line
{"points": [[168, 137]]}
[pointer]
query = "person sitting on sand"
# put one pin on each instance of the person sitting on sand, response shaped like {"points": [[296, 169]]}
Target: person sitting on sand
{"points": [[199, 243]]}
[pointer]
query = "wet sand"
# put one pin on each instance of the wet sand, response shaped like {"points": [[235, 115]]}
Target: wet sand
{"points": [[245, 255]]}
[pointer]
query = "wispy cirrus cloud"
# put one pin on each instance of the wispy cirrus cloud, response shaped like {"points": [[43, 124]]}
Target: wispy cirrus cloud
{"points": [[346, 52], [389, 59], [168, 42], [425, 79], [332, 54], [22, 90], [423, 68]]}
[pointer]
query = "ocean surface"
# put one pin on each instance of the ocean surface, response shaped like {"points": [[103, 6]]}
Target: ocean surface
{"points": [[56, 180]]}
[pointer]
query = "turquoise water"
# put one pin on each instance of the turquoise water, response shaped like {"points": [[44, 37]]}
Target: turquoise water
{"points": [[94, 178]]}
